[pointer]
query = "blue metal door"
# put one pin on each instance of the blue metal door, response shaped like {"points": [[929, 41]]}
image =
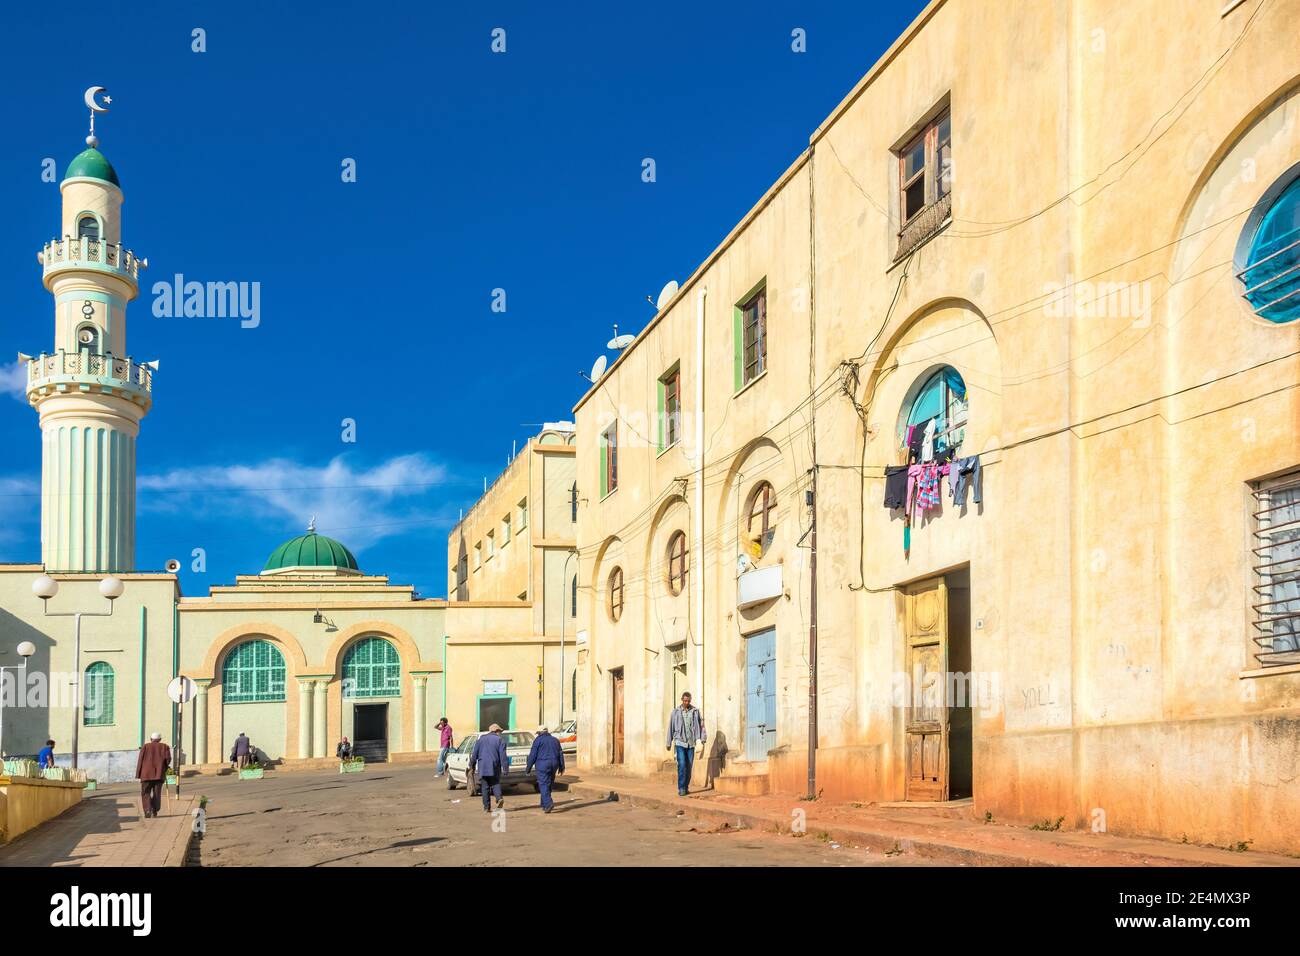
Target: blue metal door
{"points": [[760, 694]]}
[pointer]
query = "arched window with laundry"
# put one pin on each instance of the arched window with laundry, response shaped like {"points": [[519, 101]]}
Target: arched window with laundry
{"points": [[931, 429], [936, 421]]}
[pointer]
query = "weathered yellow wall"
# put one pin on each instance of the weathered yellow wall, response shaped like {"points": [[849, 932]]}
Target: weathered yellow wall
{"points": [[1109, 562], [25, 804]]}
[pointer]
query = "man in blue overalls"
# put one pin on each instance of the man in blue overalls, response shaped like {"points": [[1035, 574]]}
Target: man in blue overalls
{"points": [[490, 761], [548, 757]]}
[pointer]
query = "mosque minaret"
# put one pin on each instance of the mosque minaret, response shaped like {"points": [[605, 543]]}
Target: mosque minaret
{"points": [[89, 394]]}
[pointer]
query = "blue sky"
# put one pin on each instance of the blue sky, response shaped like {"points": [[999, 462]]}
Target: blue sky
{"points": [[475, 171]]}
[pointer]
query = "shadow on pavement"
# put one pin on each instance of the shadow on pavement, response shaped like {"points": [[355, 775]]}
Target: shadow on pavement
{"points": [[380, 849]]}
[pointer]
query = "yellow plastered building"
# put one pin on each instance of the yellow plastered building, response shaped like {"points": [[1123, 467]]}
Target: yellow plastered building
{"points": [[1060, 238]]}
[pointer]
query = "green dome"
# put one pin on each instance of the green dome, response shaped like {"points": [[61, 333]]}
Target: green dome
{"points": [[94, 164], [311, 550]]}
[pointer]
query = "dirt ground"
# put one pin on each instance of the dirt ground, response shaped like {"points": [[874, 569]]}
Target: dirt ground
{"points": [[404, 816]]}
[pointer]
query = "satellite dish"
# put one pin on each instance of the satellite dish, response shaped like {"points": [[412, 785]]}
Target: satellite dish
{"points": [[619, 342], [172, 566], [598, 368], [666, 294]]}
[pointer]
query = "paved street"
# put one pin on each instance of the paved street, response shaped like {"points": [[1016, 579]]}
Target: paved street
{"points": [[404, 816]]}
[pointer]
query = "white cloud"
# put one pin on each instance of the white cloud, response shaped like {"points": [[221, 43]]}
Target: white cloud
{"points": [[357, 505], [13, 380]]}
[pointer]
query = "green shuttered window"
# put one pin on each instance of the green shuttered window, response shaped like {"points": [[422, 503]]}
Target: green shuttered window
{"points": [[371, 668], [253, 673], [98, 702]]}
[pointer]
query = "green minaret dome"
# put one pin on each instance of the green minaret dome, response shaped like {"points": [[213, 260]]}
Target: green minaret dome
{"points": [[311, 550], [92, 164]]}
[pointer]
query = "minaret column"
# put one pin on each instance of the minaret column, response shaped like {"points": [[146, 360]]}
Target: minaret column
{"points": [[90, 396]]}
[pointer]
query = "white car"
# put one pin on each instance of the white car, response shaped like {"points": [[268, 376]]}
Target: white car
{"points": [[518, 744], [567, 735]]}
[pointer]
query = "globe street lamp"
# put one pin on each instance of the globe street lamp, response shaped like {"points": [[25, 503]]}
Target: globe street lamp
{"points": [[45, 587], [25, 650]]}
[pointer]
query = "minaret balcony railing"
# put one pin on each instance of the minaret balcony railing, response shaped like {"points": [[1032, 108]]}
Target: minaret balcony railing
{"points": [[89, 371], [98, 254]]}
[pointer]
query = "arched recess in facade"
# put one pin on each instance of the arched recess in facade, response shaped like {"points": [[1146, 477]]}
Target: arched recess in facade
{"points": [[409, 655], [944, 333], [948, 332], [669, 613], [609, 643], [212, 747], [759, 461], [1211, 245]]}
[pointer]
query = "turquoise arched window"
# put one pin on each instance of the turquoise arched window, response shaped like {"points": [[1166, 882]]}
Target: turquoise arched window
{"points": [[253, 673], [1272, 271], [371, 668], [97, 702], [942, 396]]}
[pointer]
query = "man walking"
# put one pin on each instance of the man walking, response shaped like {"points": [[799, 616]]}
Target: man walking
{"points": [[444, 745], [150, 769], [685, 730], [548, 757], [490, 760]]}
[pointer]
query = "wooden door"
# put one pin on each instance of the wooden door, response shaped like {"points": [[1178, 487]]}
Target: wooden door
{"points": [[925, 628], [618, 716]]}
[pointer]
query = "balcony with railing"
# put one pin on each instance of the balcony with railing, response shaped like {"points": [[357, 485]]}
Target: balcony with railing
{"points": [[88, 371], [98, 254]]}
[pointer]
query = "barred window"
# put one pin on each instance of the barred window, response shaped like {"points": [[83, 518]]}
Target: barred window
{"points": [[1276, 554], [98, 698], [371, 668], [253, 673]]}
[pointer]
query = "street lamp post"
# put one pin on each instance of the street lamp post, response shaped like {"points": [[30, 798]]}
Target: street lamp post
{"points": [[25, 650], [45, 587]]}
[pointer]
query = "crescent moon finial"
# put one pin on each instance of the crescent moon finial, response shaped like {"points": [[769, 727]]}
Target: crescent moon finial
{"points": [[95, 107], [93, 103]]}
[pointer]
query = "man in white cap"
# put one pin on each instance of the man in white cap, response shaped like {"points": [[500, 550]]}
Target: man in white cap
{"points": [[151, 769], [548, 757]]}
